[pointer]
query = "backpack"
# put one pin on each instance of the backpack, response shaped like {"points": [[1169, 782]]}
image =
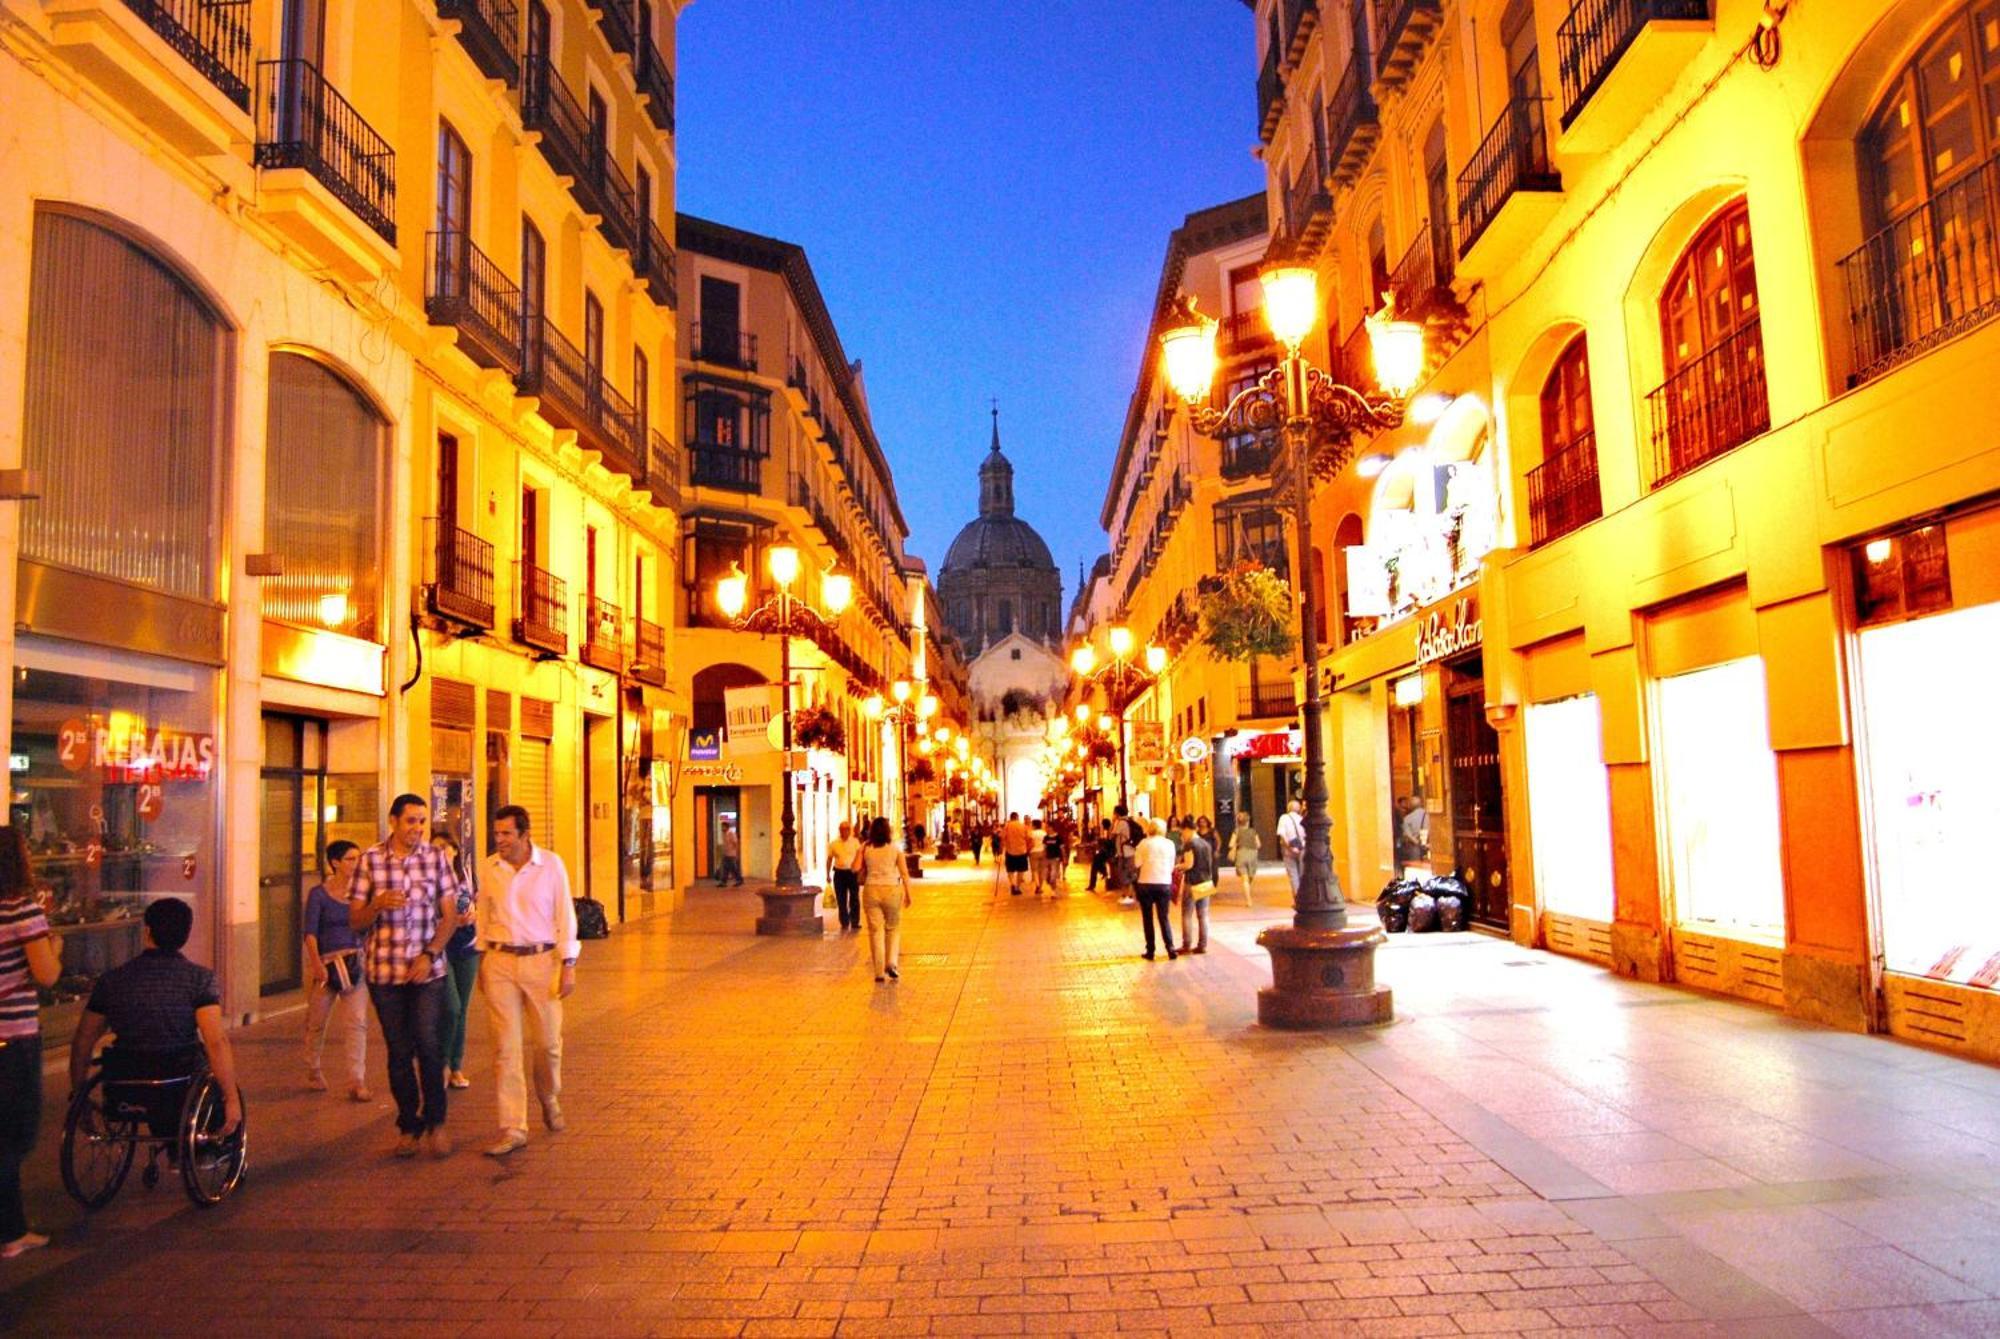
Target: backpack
{"points": [[591, 922]]}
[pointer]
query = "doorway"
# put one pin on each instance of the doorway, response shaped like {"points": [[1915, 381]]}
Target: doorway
{"points": [[1478, 818], [600, 813], [302, 807], [712, 805]]}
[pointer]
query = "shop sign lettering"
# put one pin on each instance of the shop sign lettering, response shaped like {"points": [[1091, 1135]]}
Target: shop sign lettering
{"points": [[1439, 640], [726, 772], [134, 754], [704, 745]]}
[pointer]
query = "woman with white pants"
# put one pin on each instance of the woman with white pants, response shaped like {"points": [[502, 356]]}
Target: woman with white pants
{"points": [[334, 988], [884, 875]]}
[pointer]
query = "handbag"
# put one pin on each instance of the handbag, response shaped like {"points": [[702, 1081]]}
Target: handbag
{"points": [[343, 969]]}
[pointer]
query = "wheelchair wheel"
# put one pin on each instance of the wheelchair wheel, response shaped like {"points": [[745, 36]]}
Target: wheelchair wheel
{"points": [[97, 1147], [212, 1163]]}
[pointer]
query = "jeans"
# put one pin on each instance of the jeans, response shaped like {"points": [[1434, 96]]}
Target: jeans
{"points": [[1153, 899], [847, 896], [1100, 868], [20, 1116], [728, 870], [883, 903], [1292, 863], [520, 989], [350, 1007], [413, 1032], [1194, 910], [460, 977]]}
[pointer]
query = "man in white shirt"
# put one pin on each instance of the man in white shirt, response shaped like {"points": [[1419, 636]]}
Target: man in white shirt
{"points": [[1156, 857], [527, 925], [1292, 843]]}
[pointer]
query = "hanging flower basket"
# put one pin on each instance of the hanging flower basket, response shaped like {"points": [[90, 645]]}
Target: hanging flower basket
{"points": [[922, 773], [818, 728], [1246, 613]]}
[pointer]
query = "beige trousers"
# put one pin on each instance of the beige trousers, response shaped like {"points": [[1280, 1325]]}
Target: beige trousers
{"points": [[882, 908], [521, 990], [350, 1007]]}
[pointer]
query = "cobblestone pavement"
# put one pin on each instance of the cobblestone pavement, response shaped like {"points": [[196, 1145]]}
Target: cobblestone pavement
{"points": [[1037, 1132]]}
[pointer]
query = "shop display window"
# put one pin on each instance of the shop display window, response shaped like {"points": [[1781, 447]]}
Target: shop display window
{"points": [[1932, 725], [1720, 782], [1569, 806], [112, 786]]}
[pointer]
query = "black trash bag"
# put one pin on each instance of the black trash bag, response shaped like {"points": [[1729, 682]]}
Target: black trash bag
{"points": [[1450, 911], [1449, 883], [1393, 913], [591, 922], [1423, 914]]}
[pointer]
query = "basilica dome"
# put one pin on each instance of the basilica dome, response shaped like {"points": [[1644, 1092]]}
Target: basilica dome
{"points": [[998, 577]]}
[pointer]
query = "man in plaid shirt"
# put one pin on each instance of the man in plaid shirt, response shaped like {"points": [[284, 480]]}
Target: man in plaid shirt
{"points": [[404, 901]]}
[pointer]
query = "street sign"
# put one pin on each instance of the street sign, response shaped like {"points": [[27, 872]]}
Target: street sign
{"points": [[1149, 743]]}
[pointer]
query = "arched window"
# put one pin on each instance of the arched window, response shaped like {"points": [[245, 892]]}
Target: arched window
{"points": [[1378, 266], [125, 411], [1347, 535], [322, 481], [1562, 490], [1712, 350], [1006, 623]]}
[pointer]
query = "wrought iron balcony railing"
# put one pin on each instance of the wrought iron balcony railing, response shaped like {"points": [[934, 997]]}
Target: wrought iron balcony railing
{"points": [[655, 264], [1244, 330], [1715, 403], [302, 121], [1249, 455], [465, 289], [1563, 492], [1930, 275], [555, 372], [1270, 95], [1264, 701], [1301, 17], [616, 431], [618, 204], [1596, 34], [548, 107], [603, 635], [1513, 157], [543, 610], [461, 584], [656, 81], [1418, 275], [649, 653], [1308, 207], [663, 469], [723, 345], [727, 467], [490, 32], [1352, 123], [211, 35], [614, 17]]}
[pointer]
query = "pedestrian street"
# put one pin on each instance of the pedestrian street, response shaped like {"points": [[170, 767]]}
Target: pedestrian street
{"points": [[1035, 1131]]}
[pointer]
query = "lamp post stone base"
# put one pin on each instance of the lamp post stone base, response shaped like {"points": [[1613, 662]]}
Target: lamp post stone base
{"points": [[1322, 979], [791, 911]]}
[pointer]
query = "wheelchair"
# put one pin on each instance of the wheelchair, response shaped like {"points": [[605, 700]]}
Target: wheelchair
{"points": [[109, 1118]]}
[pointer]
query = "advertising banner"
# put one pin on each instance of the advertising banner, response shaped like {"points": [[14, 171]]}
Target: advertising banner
{"points": [[748, 714]]}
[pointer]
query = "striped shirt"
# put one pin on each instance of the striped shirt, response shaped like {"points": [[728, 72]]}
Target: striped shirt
{"points": [[399, 934], [21, 924]]}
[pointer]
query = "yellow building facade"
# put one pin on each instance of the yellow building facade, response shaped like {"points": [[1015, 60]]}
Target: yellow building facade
{"points": [[347, 448], [1662, 618]]}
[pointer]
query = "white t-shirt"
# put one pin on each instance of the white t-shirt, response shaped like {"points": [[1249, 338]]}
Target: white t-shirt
{"points": [[1291, 830], [1157, 859], [841, 851]]}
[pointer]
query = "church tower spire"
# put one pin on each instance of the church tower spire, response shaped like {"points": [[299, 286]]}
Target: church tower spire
{"points": [[996, 477]]}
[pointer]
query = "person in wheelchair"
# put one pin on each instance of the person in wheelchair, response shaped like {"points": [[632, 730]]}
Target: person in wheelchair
{"points": [[163, 1013]]}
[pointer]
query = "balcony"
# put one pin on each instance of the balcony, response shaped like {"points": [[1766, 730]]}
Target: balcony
{"points": [[1403, 30], [655, 265], [649, 653], [723, 345], [656, 83], [1712, 405], [464, 289], [544, 610], [1270, 96], [1421, 280], [142, 51], [726, 467], [1354, 360], [618, 204], [1615, 60], [553, 371], [563, 131], [460, 588], [616, 432], [1930, 275], [1509, 192], [1563, 493], [1301, 17], [1266, 701], [489, 30], [1248, 455], [1352, 124], [1243, 331], [1308, 207], [663, 469], [603, 635], [305, 126], [614, 17]]}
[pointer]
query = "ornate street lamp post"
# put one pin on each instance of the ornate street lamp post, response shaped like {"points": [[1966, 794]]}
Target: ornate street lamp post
{"points": [[1122, 680], [790, 907], [906, 708], [1324, 973]]}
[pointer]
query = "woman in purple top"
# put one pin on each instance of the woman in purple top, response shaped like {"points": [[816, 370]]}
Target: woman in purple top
{"points": [[334, 984], [29, 956]]}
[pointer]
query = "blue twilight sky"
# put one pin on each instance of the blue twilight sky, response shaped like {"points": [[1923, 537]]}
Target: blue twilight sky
{"points": [[985, 189]]}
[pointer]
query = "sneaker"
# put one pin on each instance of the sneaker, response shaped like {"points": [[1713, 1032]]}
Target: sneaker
{"points": [[439, 1141], [315, 1081], [359, 1093], [509, 1141], [1200, 949], [21, 1245], [552, 1114], [1147, 956], [406, 1146], [1172, 954], [894, 975], [458, 1079]]}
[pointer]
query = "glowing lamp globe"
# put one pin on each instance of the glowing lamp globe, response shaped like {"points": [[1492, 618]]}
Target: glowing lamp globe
{"points": [[836, 592], [1291, 302], [1156, 659], [1399, 353], [1083, 660], [783, 560], [874, 707], [732, 592], [1121, 642], [1187, 353]]}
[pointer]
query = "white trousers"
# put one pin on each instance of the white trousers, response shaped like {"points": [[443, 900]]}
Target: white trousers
{"points": [[520, 992], [348, 1011]]}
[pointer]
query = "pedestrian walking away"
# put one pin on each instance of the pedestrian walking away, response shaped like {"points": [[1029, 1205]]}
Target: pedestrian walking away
{"points": [[1292, 843], [1038, 856], [336, 991], [1197, 884], [1102, 851], [843, 855], [885, 891], [1244, 846], [1052, 858], [976, 839], [461, 963], [729, 861], [30, 956], [404, 900], [1015, 843], [527, 925], [1156, 857]]}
